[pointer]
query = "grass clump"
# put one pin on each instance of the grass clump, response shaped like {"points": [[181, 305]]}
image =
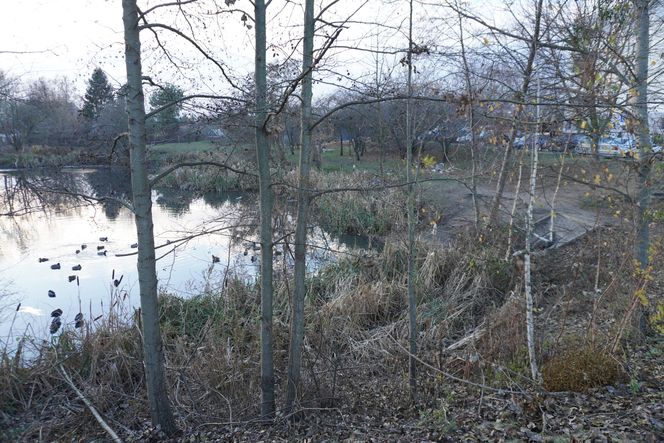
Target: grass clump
{"points": [[352, 212], [231, 314], [204, 179], [580, 369]]}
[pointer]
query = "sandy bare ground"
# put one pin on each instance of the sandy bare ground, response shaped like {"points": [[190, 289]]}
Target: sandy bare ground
{"points": [[578, 208]]}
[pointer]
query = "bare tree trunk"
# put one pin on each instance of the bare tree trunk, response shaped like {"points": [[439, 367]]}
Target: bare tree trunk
{"points": [[514, 205], [640, 104], [595, 132], [266, 203], [530, 318], [153, 355], [502, 176], [471, 124], [316, 156], [412, 219], [552, 214], [379, 105], [381, 139], [303, 200]]}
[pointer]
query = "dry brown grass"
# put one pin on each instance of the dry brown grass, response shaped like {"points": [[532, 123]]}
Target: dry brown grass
{"points": [[357, 211], [356, 315], [582, 368]]}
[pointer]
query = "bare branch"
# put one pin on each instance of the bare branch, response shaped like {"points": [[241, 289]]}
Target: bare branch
{"points": [[170, 169]]}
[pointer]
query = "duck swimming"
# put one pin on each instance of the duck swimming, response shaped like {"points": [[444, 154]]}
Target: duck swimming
{"points": [[79, 320], [55, 325]]}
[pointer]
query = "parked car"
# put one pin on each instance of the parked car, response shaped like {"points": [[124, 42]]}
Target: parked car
{"points": [[542, 141], [628, 148], [465, 137], [518, 143], [572, 143], [583, 144], [610, 147], [577, 143]]}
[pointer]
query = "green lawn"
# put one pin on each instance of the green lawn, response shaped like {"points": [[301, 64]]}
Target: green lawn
{"points": [[178, 148], [334, 162]]}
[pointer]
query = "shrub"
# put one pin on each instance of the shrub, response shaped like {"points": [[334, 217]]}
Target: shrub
{"points": [[367, 213], [580, 369]]}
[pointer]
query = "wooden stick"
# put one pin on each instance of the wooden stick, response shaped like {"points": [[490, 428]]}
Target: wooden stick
{"points": [[90, 406]]}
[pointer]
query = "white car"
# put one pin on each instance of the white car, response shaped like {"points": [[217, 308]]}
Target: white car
{"points": [[464, 138], [610, 147]]}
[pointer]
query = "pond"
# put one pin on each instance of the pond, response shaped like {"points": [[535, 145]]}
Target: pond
{"points": [[92, 244]]}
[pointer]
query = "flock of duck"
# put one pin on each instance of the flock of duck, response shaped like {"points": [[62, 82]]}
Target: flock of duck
{"points": [[56, 323], [101, 250], [250, 246], [56, 315]]}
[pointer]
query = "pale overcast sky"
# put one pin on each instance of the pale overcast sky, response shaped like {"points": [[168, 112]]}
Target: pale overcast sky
{"points": [[75, 36]]}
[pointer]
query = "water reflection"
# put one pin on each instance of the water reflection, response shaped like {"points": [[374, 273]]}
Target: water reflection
{"points": [[67, 229], [114, 183]]}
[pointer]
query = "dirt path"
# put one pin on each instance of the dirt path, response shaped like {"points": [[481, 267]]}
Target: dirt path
{"points": [[578, 209]]}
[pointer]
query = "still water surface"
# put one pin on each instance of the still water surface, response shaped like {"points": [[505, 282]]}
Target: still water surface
{"points": [[59, 232]]}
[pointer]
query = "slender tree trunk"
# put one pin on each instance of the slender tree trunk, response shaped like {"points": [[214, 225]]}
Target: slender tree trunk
{"points": [[266, 203], [381, 148], [645, 148], [530, 318], [412, 219], [303, 200], [502, 176], [381, 139], [316, 155], [510, 228], [471, 124], [153, 355], [595, 131], [594, 144], [552, 214]]}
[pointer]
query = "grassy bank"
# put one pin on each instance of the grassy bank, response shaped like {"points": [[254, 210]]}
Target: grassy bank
{"points": [[42, 156], [354, 360], [357, 212]]}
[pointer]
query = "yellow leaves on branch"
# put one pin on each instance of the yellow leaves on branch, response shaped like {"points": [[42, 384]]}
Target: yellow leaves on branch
{"points": [[428, 161], [657, 319], [641, 295]]}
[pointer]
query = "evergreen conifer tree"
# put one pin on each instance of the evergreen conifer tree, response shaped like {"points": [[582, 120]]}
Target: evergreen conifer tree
{"points": [[98, 93]]}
